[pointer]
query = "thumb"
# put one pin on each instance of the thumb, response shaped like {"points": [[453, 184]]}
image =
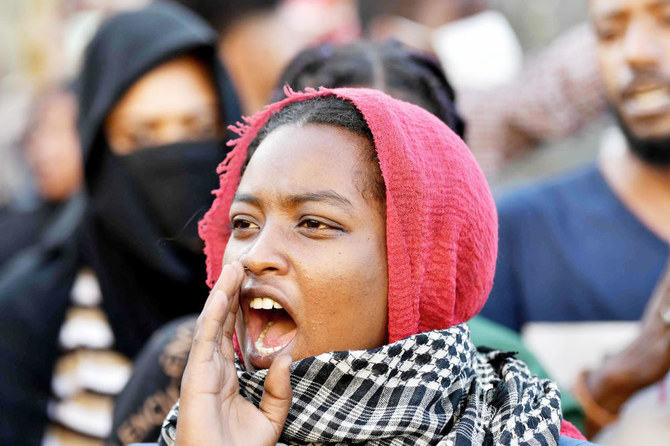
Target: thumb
{"points": [[277, 396]]}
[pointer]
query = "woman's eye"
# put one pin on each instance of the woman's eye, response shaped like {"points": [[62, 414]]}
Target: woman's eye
{"points": [[242, 224], [310, 223], [141, 140], [313, 224]]}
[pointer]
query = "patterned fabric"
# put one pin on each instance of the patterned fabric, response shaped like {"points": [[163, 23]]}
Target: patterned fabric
{"points": [[432, 388]]}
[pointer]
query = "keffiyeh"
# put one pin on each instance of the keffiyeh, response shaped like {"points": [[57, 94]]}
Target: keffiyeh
{"points": [[432, 388]]}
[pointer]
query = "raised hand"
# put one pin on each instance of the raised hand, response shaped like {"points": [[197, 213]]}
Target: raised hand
{"points": [[652, 348], [642, 363], [211, 410]]}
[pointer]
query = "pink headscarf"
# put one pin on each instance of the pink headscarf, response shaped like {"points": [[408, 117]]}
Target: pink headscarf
{"points": [[441, 222]]}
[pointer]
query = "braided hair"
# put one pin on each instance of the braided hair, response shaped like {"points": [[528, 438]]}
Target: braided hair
{"points": [[392, 67]]}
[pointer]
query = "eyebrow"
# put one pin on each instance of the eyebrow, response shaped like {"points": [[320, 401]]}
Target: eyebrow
{"points": [[612, 14], [616, 11], [659, 4], [607, 11], [247, 198], [325, 196], [148, 120]]}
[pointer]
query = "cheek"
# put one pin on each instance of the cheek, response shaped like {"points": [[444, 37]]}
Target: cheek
{"points": [[372, 281], [610, 70], [348, 295]]}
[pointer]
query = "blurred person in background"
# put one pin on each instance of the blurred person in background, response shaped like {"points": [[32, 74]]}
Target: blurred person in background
{"points": [[392, 67], [257, 38], [511, 105], [389, 66], [592, 245], [153, 105], [41, 43], [51, 148]]}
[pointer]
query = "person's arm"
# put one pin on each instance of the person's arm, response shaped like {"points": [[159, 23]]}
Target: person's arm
{"points": [[211, 409], [557, 92], [603, 391]]}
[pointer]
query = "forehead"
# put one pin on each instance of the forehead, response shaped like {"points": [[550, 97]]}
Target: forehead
{"points": [[306, 157], [182, 84], [605, 8]]}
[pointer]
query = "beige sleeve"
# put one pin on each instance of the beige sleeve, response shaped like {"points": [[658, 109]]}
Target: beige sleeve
{"points": [[558, 92]]}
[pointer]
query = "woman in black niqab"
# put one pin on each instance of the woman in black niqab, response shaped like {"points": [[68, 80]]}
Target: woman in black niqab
{"points": [[144, 207], [138, 235]]}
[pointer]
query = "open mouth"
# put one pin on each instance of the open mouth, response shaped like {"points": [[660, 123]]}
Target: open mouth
{"points": [[649, 100], [269, 326]]}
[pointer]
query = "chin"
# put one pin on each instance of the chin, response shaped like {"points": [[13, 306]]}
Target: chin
{"points": [[653, 147]]}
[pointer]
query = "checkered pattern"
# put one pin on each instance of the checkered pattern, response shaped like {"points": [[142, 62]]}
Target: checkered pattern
{"points": [[429, 389]]}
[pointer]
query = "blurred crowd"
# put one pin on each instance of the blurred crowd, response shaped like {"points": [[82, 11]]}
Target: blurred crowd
{"points": [[115, 117]]}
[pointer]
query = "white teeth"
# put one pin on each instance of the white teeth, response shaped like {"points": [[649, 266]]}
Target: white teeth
{"points": [[650, 100], [258, 345], [264, 303], [652, 96]]}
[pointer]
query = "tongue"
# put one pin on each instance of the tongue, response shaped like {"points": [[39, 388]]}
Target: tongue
{"points": [[280, 333]]}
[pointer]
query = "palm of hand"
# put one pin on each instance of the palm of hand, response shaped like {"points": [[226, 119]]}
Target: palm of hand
{"points": [[211, 409]]}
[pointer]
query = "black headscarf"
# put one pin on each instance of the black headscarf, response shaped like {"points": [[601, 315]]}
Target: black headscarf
{"points": [[144, 207]]}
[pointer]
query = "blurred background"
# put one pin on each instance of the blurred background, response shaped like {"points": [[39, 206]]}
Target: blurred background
{"points": [[41, 42], [538, 24], [537, 113], [41, 46]]}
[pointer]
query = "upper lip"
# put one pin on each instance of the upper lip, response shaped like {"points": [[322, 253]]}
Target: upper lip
{"points": [[644, 83], [249, 293]]}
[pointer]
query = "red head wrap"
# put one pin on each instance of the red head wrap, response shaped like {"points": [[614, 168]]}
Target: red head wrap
{"points": [[441, 223]]}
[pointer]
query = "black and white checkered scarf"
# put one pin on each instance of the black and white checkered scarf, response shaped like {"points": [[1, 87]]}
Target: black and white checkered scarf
{"points": [[432, 388]]}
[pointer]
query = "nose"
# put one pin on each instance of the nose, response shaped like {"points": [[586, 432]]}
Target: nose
{"points": [[640, 44], [265, 255]]}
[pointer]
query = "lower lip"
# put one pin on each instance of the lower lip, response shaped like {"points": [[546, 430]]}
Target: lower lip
{"points": [[263, 361]]}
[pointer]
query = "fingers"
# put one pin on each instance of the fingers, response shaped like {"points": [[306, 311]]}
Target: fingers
{"points": [[218, 315], [660, 299], [277, 396], [664, 282], [663, 289]]}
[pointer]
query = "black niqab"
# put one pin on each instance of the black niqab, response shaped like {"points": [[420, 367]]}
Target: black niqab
{"points": [[148, 272]]}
